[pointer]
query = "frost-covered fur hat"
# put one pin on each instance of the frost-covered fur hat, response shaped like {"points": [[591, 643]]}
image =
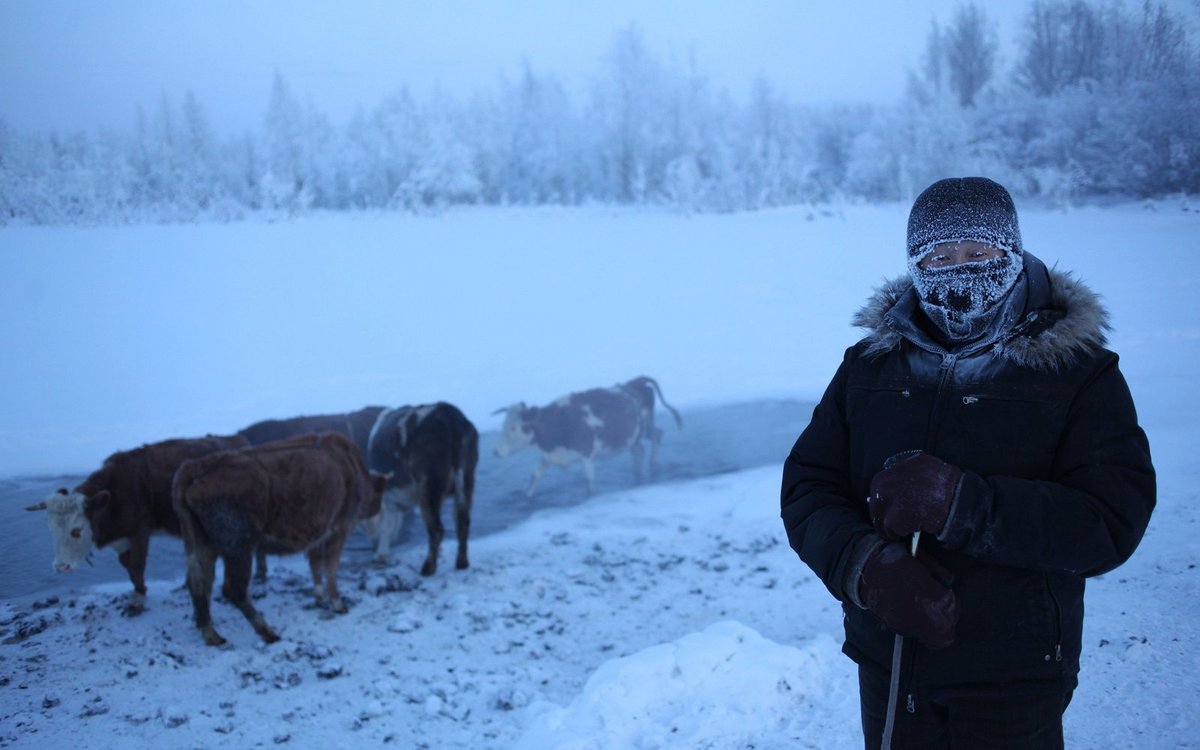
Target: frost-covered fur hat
{"points": [[964, 208]]}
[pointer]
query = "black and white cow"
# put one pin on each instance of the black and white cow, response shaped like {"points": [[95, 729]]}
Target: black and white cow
{"points": [[581, 426], [430, 452]]}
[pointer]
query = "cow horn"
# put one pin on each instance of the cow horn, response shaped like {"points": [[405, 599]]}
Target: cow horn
{"points": [[501, 410], [38, 506]]}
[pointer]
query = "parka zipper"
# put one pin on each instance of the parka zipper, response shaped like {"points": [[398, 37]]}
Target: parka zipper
{"points": [[947, 367]]}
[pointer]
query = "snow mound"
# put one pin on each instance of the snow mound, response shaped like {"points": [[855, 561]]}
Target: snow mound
{"points": [[725, 686]]}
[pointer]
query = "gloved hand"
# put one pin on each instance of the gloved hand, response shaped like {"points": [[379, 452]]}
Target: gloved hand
{"points": [[904, 594], [912, 494]]}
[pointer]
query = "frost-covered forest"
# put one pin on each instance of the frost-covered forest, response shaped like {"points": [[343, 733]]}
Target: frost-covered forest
{"points": [[1096, 99]]}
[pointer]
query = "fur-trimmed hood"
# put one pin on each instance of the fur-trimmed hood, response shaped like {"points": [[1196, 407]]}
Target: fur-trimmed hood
{"points": [[1063, 320]]}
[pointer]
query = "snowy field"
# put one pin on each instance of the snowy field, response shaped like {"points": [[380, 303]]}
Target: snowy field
{"points": [[672, 615]]}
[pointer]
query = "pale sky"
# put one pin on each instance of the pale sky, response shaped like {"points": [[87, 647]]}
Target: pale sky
{"points": [[77, 64]]}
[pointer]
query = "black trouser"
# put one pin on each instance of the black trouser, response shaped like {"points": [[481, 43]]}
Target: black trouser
{"points": [[995, 717]]}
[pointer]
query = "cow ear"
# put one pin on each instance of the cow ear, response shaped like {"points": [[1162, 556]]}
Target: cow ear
{"points": [[99, 500], [63, 491]]}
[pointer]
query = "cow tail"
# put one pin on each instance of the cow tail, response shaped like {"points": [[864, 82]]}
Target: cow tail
{"points": [[663, 401], [189, 523]]}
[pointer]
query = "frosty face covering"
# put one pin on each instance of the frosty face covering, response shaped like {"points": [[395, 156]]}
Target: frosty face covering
{"points": [[962, 300]]}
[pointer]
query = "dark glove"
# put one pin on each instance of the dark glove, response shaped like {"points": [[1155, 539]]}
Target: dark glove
{"points": [[904, 594], [912, 494]]}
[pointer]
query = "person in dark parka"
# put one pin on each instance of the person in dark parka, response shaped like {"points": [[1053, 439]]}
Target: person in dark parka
{"points": [[983, 415]]}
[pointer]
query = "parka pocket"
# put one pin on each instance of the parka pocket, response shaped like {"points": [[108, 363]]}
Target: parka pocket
{"points": [[1011, 606], [885, 417], [1056, 652], [1002, 433]]}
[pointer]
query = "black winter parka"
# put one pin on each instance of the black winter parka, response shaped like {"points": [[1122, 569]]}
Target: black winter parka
{"points": [[1058, 484]]}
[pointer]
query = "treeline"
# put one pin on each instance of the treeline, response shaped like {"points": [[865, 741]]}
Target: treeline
{"points": [[1101, 100]]}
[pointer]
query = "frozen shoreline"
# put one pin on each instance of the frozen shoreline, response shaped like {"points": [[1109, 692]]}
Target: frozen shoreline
{"points": [[714, 440]]}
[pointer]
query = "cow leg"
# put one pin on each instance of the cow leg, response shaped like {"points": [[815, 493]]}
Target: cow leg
{"points": [[260, 565], [538, 471], [589, 473], [332, 554], [238, 565], [431, 510], [260, 574], [133, 560], [316, 563], [202, 560], [655, 438], [638, 453], [464, 488]]}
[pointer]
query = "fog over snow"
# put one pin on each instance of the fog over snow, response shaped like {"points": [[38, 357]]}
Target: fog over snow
{"points": [[671, 615], [73, 66]]}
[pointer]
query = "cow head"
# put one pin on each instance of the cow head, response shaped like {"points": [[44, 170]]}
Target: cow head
{"points": [[377, 487], [69, 527], [517, 433]]}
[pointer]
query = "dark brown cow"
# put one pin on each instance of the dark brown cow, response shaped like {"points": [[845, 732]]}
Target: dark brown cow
{"points": [[355, 425], [121, 504], [429, 452], [581, 426], [303, 494]]}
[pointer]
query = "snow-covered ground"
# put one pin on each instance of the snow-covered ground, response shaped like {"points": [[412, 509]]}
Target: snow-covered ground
{"points": [[670, 615]]}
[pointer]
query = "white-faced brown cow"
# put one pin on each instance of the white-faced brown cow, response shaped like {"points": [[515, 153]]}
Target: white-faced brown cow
{"points": [[121, 504], [429, 452], [581, 426], [303, 494]]}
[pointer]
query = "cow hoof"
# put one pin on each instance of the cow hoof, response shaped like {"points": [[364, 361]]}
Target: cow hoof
{"points": [[462, 565], [428, 569], [133, 609], [212, 639], [269, 636]]}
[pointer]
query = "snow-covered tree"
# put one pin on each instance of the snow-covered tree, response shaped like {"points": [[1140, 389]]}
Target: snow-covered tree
{"points": [[970, 53]]}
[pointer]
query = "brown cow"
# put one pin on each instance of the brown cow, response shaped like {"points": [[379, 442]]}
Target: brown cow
{"points": [[121, 504], [355, 425], [303, 494], [581, 426]]}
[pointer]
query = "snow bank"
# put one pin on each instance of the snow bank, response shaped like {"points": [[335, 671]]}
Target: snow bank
{"points": [[725, 686]]}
